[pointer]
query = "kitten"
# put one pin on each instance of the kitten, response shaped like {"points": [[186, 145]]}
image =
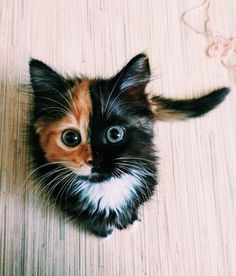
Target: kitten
{"points": [[93, 140]]}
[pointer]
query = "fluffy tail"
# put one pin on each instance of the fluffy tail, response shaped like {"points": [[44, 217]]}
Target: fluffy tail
{"points": [[172, 109]]}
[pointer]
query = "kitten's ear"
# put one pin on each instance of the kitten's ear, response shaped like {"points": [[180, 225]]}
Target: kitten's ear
{"points": [[50, 97], [45, 79], [134, 77], [171, 109]]}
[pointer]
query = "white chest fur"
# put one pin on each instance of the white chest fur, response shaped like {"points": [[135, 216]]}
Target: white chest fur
{"points": [[109, 195]]}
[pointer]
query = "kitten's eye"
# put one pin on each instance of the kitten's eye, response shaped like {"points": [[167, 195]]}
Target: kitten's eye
{"points": [[71, 138], [115, 134]]}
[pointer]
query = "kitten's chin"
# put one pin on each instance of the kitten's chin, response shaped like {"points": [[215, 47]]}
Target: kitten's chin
{"points": [[83, 171]]}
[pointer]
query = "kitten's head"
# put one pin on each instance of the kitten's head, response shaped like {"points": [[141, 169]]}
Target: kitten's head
{"points": [[103, 128], [98, 128]]}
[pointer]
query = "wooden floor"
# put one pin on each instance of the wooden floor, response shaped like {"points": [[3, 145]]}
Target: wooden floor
{"points": [[189, 226]]}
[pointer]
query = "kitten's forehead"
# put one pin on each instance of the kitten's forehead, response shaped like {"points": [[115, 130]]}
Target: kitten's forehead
{"points": [[81, 105]]}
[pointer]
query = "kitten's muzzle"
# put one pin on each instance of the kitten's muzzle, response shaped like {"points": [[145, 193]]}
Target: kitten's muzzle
{"points": [[95, 163], [98, 172]]}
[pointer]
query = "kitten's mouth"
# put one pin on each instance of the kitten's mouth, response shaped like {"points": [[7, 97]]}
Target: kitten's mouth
{"points": [[96, 176]]}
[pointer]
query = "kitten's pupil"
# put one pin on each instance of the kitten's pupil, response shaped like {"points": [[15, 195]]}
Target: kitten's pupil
{"points": [[115, 134], [71, 138]]}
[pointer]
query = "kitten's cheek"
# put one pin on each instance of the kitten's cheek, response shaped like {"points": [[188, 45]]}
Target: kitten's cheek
{"points": [[85, 170]]}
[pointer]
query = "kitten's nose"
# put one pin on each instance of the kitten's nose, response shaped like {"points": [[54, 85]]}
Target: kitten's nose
{"points": [[90, 162], [96, 163]]}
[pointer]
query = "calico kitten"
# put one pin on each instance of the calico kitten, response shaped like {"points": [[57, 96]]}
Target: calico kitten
{"points": [[93, 140]]}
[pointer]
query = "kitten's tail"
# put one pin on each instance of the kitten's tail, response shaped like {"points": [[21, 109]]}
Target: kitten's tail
{"points": [[172, 109]]}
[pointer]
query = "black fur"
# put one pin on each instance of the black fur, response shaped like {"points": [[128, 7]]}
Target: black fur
{"points": [[120, 100]]}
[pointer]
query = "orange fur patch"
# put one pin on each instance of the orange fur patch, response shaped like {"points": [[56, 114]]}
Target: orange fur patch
{"points": [[164, 114], [50, 134]]}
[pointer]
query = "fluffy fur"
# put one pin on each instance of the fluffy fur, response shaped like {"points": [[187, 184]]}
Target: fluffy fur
{"points": [[101, 180]]}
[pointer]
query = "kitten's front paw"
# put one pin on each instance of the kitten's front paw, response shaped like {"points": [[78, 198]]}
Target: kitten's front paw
{"points": [[102, 233], [126, 223]]}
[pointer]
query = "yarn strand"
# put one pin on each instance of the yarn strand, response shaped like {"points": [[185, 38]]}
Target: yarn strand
{"points": [[221, 46]]}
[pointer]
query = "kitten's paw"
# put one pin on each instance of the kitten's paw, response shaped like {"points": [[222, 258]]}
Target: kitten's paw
{"points": [[135, 218], [135, 225], [102, 233], [129, 222]]}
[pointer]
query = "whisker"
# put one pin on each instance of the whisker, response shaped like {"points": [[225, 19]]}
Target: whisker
{"points": [[53, 89], [40, 167], [101, 100], [64, 111], [147, 193], [48, 193], [131, 157], [109, 97], [73, 102], [116, 106], [38, 189], [111, 104], [71, 185], [65, 185], [52, 100]]}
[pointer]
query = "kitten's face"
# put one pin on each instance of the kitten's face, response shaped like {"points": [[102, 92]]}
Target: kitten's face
{"points": [[99, 129]]}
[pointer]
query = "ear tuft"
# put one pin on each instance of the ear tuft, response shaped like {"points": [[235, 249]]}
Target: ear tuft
{"points": [[44, 78], [50, 90], [135, 73]]}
